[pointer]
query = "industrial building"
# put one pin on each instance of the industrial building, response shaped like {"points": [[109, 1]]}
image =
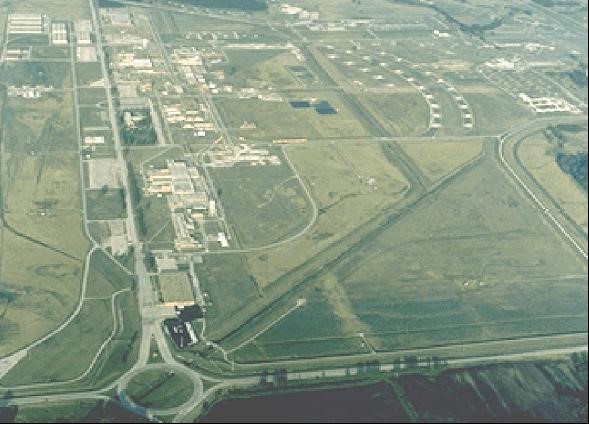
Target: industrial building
{"points": [[187, 199], [59, 33], [244, 153], [25, 23], [83, 32]]}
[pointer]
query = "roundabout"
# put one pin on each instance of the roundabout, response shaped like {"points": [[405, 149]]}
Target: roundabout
{"points": [[160, 389]]}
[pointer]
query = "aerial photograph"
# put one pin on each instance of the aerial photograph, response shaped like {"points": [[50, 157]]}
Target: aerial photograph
{"points": [[293, 211]]}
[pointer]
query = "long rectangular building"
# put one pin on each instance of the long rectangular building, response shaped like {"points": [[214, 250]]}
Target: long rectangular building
{"points": [[25, 23]]}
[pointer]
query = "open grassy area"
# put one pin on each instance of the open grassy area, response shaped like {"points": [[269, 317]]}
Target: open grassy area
{"points": [[253, 68], [349, 183], [263, 204], [88, 73], [43, 241], [106, 203], [494, 111], [280, 120], [229, 284], [36, 296], [48, 74], [438, 158], [83, 337], [105, 277], [538, 156], [40, 125], [160, 389], [72, 10], [76, 411], [467, 265], [402, 113]]}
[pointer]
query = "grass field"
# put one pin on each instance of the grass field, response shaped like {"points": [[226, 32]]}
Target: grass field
{"points": [[268, 68], [280, 120], [55, 74], [87, 332], [72, 10], [474, 262], [35, 297], [229, 285], [40, 125], [88, 73], [91, 96], [76, 411], [160, 389], [105, 277], [494, 111], [537, 155], [339, 179], [403, 113], [84, 336], [263, 204], [439, 158], [106, 204]]}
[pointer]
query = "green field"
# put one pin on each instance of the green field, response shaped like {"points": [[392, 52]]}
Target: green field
{"points": [[263, 204], [105, 277], [41, 218], [438, 158], [106, 203], [87, 332], [54, 74], [403, 113], [467, 265], [349, 183], [261, 69], [88, 73], [158, 389], [280, 120], [40, 125]]}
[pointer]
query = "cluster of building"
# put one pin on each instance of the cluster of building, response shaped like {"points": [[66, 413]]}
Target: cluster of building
{"points": [[16, 54], [27, 91], [26, 23], [189, 118], [548, 104], [140, 63], [187, 199], [116, 16], [302, 14], [502, 64], [228, 156]]}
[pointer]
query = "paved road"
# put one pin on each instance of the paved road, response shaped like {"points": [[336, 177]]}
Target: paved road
{"points": [[549, 214]]}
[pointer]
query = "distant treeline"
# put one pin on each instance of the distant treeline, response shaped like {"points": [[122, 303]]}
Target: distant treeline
{"points": [[477, 30], [574, 164], [245, 5]]}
